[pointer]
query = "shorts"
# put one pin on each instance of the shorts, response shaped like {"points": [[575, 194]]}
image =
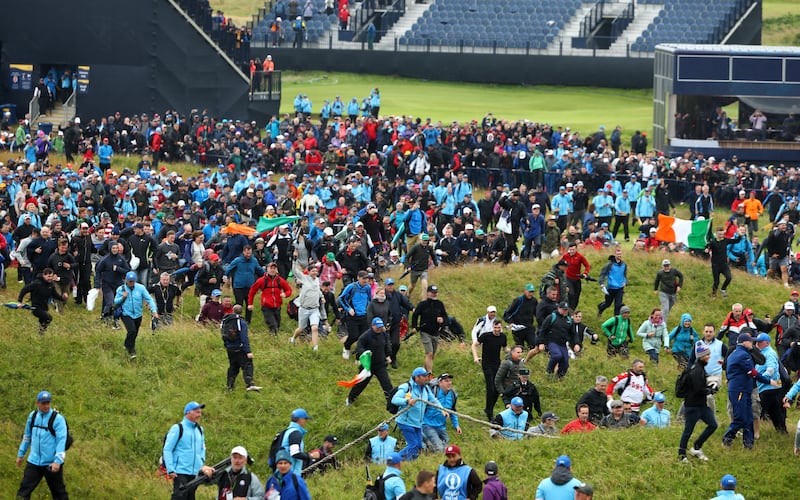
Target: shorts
{"points": [[429, 342], [307, 317], [776, 264], [415, 275]]}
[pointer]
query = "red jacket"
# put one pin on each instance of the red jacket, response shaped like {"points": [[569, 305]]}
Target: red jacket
{"points": [[271, 288], [574, 263]]}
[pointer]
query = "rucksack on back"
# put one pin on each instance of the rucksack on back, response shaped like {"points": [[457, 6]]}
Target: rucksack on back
{"points": [[230, 328], [377, 491], [509, 313], [275, 447], [682, 384], [391, 407], [292, 310], [628, 382], [51, 428]]}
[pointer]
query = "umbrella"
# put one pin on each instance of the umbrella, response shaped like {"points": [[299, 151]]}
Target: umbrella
{"points": [[366, 364], [17, 305]]}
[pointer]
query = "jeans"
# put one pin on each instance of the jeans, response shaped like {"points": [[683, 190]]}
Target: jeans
{"points": [[615, 295], [693, 414], [413, 437], [489, 373], [436, 437], [558, 356], [356, 325], [653, 353], [667, 303]]}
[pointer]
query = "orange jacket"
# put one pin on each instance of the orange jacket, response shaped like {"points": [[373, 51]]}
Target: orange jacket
{"points": [[753, 208]]}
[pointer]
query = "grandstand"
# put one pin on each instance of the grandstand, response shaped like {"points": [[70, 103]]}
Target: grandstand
{"points": [[614, 28]]}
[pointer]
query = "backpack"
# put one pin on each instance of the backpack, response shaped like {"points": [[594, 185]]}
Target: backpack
{"points": [[376, 491], [275, 447], [292, 310], [230, 328], [51, 428], [786, 379], [509, 314], [682, 383], [391, 407]]}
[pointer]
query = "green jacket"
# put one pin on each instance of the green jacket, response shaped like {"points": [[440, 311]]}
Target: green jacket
{"points": [[618, 330]]}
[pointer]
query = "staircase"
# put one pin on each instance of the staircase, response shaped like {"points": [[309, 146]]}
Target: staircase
{"points": [[645, 13], [413, 12], [60, 116], [573, 29]]}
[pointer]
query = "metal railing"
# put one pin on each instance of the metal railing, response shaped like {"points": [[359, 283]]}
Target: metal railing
{"points": [[33, 109], [70, 107], [591, 20], [265, 86], [362, 15]]}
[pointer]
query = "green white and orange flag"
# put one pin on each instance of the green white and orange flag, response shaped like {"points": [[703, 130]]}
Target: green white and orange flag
{"points": [[366, 365], [692, 233]]}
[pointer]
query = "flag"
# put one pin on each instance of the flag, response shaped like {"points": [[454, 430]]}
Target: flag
{"points": [[235, 228], [692, 233], [366, 364], [266, 224]]}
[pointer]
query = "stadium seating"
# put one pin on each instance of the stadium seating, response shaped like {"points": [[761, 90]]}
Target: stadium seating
{"points": [[514, 24], [689, 21], [315, 28]]}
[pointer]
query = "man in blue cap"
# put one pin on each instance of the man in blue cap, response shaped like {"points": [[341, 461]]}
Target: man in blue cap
{"points": [[740, 373], [771, 397], [294, 441], [375, 340], [727, 489], [379, 447], [46, 437], [184, 452], [415, 393], [560, 484], [393, 485], [130, 298]]}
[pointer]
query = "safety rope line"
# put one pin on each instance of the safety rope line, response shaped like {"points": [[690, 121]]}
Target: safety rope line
{"points": [[394, 417]]}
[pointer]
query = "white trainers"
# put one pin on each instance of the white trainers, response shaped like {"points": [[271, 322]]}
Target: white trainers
{"points": [[698, 454], [347, 402], [291, 339], [345, 353], [316, 348], [253, 388]]}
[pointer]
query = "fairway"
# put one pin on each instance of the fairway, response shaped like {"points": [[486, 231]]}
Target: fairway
{"points": [[581, 108]]}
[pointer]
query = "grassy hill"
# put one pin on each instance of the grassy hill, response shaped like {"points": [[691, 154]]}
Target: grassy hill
{"points": [[119, 410]]}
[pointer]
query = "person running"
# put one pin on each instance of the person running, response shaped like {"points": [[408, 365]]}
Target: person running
{"points": [[47, 449], [717, 248], [309, 302], [669, 282], [618, 331], [376, 340], [273, 290], [683, 338], [771, 396], [429, 319], [130, 298], [616, 274], [577, 269], [237, 343], [696, 392], [41, 290], [654, 335], [414, 393]]}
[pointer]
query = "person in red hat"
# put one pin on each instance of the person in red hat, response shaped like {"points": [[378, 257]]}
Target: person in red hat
{"points": [[455, 479]]}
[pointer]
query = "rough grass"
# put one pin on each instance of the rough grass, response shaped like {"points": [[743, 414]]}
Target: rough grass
{"points": [[119, 410]]}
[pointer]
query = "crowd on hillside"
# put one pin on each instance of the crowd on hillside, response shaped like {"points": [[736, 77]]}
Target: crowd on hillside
{"points": [[352, 196]]}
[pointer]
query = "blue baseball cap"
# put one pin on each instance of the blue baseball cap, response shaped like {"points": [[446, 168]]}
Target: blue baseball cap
{"points": [[389, 281], [659, 397], [563, 461], [517, 401], [377, 322], [383, 427], [419, 371], [216, 292], [130, 276], [43, 397], [763, 337], [728, 482], [394, 458], [192, 406], [300, 413]]}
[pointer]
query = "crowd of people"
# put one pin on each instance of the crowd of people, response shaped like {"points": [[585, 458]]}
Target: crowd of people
{"points": [[396, 193]]}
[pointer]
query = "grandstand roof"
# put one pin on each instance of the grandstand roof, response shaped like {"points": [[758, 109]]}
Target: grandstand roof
{"points": [[751, 50]]}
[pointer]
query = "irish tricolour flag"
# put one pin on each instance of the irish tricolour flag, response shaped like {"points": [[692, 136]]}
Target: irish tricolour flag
{"points": [[691, 233]]}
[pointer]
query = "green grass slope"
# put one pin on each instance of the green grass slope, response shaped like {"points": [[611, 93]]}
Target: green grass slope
{"points": [[119, 411]]}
